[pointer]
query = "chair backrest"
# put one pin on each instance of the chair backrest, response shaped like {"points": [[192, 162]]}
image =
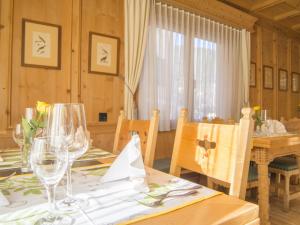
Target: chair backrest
{"points": [[147, 131], [220, 151]]}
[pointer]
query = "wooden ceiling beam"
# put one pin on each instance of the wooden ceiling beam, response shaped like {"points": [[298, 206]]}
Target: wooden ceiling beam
{"points": [[266, 4], [288, 14]]}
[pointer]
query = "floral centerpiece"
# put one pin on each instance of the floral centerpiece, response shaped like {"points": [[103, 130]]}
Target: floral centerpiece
{"points": [[257, 116], [32, 127]]}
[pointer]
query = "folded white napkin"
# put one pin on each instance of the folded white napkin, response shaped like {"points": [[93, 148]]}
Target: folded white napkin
{"points": [[129, 165], [273, 127], [3, 200]]}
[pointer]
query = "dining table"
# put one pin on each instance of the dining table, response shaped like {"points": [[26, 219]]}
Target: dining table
{"points": [[118, 203], [265, 149]]}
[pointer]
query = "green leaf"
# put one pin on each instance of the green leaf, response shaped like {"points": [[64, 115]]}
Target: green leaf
{"points": [[27, 129]]}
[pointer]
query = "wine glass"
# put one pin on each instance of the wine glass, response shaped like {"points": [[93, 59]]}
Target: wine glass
{"points": [[49, 164], [67, 125], [18, 137]]}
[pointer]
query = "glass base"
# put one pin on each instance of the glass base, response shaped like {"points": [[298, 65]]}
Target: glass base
{"points": [[53, 219], [71, 204]]}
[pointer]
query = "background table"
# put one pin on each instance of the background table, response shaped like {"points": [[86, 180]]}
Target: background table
{"points": [[265, 149]]}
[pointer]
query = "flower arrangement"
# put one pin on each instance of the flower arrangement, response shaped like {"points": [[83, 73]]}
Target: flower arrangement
{"points": [[257, 116], [33, 127]]}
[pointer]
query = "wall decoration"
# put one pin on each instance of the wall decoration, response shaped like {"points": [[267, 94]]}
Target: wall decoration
{"points": [[268, 77], [282, 80], [252, 74], [41, 44], [103, 54], [295, 82]]}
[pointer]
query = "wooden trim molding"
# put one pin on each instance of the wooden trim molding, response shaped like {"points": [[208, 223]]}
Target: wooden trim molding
{"points": [[217, 11]]}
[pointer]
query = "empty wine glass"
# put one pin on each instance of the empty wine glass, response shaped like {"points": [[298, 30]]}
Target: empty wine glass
{"points": [[67, 125], [49, 164], [18, 137]]}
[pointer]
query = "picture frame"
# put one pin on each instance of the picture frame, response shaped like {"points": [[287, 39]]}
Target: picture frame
{"points": [[41, 44], [282, 80], [252, 79], [268, 77], [295, 82], [103, 54]]}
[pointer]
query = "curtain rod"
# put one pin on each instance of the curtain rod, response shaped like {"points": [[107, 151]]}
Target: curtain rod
{"points": [[205, 14]]}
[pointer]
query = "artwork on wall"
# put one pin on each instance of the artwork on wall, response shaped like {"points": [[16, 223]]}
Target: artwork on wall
{"points": [[103, 54], [282, 80], [268, 77], [41, 44], [252, 74], [295, 82]]}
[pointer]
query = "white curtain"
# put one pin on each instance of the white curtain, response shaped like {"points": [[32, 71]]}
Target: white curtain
{"points": [[136, 25], [192, 62]]}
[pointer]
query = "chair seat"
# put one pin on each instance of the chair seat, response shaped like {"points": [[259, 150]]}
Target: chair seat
{"points": [[284, 163], [162, 164], [253, 174]]}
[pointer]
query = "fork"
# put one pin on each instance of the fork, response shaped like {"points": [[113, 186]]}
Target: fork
{"points": [[175, 190], [159, 202]]}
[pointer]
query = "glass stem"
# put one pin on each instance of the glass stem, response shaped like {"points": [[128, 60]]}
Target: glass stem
{"points": [[51, 197], [69, 180]]}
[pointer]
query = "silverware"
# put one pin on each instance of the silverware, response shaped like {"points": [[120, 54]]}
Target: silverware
{"points": [[159, 202], [175, 190]]}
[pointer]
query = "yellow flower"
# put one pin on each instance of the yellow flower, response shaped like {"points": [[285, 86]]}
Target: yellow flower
{"points": [[256, 108], [41, 107]]}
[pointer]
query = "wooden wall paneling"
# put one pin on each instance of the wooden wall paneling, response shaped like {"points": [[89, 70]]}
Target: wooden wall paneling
{"points": [[6, 19], [289, 70], [259, 65], [282, 55], [254, 93], [267, 59], [32, 84], [294, 68], [102, 93], [75, 49], [275, 74]]}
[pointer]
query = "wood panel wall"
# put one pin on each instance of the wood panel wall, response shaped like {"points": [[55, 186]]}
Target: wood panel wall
{"points": [[272, 47], [22, 86]]}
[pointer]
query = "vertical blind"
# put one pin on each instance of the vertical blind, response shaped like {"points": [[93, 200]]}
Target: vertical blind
{"points": [[192, 62]]}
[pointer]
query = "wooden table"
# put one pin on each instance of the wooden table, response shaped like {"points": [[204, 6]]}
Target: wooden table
{"points": [[221, 209], [265, 149]]}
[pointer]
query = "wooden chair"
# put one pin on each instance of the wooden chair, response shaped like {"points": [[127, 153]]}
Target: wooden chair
{"points": [[220, 151], [146, 129]]}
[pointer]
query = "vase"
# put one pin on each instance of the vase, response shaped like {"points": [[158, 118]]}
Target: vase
{"points": [[25, 156]]}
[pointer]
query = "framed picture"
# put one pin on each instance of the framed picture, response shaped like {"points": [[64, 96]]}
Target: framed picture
{"points": [[103, 54], [252, 74], [295, 82], [268, 77], [41, 44], [282, 80]]}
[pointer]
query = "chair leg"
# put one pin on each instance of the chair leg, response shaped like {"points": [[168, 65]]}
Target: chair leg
{"points": [[277, 184], [286, 197]]}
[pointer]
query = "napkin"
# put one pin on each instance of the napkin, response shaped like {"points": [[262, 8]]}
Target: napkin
{"points": [[3, 200], [273, 127], [129, 165]]}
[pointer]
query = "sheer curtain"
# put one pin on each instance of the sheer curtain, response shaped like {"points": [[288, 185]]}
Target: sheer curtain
{"points": [[192, 62]]}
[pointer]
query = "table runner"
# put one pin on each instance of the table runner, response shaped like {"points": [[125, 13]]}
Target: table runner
{"points": [[12, 157], [110, 203]]}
